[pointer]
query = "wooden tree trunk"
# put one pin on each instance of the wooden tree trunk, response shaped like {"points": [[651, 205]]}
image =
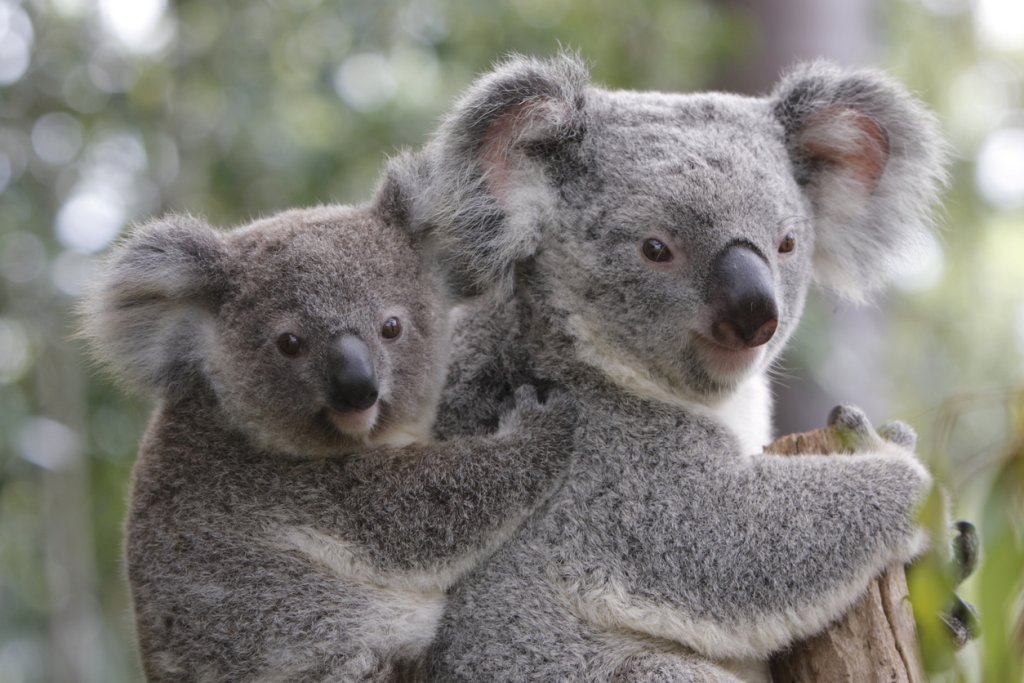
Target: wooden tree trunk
{"points": [[876, 641]]}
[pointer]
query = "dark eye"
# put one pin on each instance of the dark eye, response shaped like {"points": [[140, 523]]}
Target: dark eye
{"points": [[289, 344], [655, 250], [787, 245], [392, 328]]}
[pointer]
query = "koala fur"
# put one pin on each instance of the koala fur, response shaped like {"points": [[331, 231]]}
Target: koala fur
{"points": [[672, 549], [276, 532]]}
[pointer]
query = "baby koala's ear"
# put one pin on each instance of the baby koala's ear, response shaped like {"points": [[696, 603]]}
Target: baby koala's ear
{"points": [[402, 201], [399, 194], [871, 160], [149, 316]]}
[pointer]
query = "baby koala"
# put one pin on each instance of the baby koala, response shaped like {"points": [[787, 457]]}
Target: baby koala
{"points": [[289, 518]]}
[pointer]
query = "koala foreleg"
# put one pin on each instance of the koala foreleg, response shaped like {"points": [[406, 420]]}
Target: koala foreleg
{"points": [[774, 521], [450, 502], [959, 617], [856, 433]]}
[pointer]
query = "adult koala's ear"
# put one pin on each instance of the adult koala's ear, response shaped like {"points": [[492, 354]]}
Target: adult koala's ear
{"points": [[149, 316], [871, 160], [489, 165]]}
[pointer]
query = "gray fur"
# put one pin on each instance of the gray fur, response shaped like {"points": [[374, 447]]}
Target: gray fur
{"points": [[268, 538], [866, 243], [670, 551]]}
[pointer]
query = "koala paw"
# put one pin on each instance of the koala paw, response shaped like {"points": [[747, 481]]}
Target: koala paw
{"points": [[966, 550], [849, 417], [523, 405], [557, 414], [853, 427], [526, 398], [856, 433], [960, 618], [899, 433], [962, 621]]}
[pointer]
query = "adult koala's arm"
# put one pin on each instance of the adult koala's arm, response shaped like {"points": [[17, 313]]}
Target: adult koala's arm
{"points": [[737, 556]]}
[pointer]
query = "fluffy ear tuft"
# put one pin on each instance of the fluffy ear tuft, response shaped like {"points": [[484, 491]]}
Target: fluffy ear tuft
{"points": [[872, 162], [488, 190], [149, 316], [399, 194]]}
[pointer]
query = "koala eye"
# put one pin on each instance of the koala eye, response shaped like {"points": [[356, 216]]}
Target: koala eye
{"points": [[289, 344], [788, 244], [656, 251], [392, 328]]}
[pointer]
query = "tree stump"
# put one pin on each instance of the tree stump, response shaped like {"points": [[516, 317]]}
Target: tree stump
{"points": [[876, 641]]}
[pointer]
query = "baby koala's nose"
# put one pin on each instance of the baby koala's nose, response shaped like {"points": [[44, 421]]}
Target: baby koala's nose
{"points": [[352, 381]]}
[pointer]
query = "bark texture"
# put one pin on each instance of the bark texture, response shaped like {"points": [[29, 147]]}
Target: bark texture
{"points": [[876, 641]]}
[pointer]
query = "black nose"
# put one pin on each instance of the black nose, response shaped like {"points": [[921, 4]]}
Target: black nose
{"points": [[352, 381], [742, 298]]}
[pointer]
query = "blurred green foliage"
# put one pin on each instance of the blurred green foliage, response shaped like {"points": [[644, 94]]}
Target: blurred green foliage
{"points": [[115, 110]]}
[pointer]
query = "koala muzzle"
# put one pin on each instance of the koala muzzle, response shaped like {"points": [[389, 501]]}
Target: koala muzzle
{"points": [[352, 380], [742, 299]]}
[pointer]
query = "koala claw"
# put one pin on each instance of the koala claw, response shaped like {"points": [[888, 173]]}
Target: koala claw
{"points": [[966, 547], [899, 433], [962, 621]]}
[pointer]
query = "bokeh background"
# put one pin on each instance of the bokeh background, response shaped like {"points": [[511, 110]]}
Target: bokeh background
{"points": [[115, 110]]}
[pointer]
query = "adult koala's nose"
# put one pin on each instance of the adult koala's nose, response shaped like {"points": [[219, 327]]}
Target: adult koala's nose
{"points": [[351, 378], [745, 314]]}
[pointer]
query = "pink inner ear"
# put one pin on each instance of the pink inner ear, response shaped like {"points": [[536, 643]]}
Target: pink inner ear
{"points": [[849, 139], [497, 153]]}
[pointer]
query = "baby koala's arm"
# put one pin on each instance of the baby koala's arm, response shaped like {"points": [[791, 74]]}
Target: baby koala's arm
{"points": [[443, 505]]}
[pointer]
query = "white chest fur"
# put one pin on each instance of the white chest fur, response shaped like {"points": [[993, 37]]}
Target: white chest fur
{"points": [[748, 413]]}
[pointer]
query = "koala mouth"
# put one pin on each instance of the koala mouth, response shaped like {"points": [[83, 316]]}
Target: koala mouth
{"points": [[722, 361], [356, 423]]}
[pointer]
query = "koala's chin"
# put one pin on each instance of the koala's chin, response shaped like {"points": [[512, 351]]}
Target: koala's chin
{"points": [[728, 366], [714, 373], [355, 424], [322, 435], [381, 425]]}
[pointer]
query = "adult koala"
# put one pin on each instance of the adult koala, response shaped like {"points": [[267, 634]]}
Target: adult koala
{"points": [[289, 518], [657, 250]]}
